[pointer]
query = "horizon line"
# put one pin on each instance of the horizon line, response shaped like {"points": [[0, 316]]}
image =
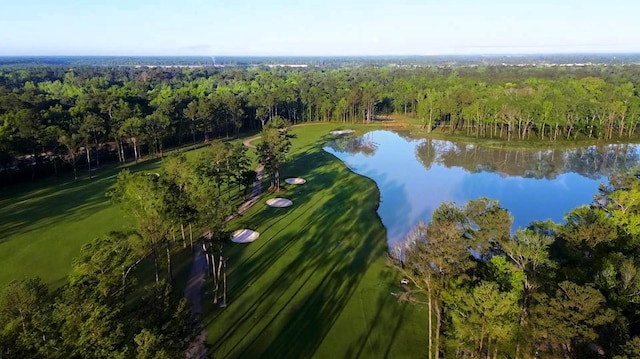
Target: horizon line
{"points": [[342, 55]]}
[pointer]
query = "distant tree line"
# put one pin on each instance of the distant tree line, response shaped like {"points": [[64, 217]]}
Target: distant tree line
{"points": [[551, 290], [54, 118]]}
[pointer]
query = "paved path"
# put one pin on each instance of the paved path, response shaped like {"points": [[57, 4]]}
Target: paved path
{"points": [[193, 291], [256, 191], [197, 349]]}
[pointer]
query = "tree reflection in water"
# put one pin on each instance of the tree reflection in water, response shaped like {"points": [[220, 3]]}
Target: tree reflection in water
{"points": [[415, 175]]}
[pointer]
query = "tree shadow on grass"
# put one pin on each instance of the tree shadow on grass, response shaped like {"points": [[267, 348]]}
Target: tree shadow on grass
{"points": [[289, 292], [337, 263], [36, 209]]}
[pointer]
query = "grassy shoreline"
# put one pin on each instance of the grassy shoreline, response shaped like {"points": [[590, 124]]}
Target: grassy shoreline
{"points": [[316, 282], [415, 128]]}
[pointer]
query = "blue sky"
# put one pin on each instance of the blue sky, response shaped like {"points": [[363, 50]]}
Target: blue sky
{"points": [[318, 27]]}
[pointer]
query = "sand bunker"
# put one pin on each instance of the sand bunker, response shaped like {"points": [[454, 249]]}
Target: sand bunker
{"points": [[244, 236], [279, 202], [296, 180], [341, 132]]}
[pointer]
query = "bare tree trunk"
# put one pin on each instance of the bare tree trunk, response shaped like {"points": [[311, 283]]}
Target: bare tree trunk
{"points": [[438, 328], [430, 322], [191, 235], [169, 272], [212, 260], [184, 240], [135, 149], [124, 159], [86, 150], [118, 149], [216, 278], [206, 256], [224, 281]]}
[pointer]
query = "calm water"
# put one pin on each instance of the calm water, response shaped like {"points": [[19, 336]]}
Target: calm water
{"points": [[416, 175]]}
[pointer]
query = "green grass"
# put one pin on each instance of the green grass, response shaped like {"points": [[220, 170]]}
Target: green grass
{"points": [[315, 284], [43, 225]]}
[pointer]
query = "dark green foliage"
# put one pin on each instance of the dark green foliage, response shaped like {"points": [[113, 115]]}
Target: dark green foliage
{"points": [[570, 318], [562, 290], [273, 150], [25, 321], [125, 113], [89, 317]]}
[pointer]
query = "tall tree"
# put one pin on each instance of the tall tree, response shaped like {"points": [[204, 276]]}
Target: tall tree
{"points": [[71, 142], [23, 307], [144, 197], [529, 252], [438, 253], [273, 150], [570, 318]]}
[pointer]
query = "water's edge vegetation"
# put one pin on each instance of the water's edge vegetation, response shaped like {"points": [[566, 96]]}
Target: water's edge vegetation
{"points": [[56, 118]]}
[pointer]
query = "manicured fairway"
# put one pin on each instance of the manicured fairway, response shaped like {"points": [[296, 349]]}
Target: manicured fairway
{"points": [[315, 283], [44, 225], [41, 230]]}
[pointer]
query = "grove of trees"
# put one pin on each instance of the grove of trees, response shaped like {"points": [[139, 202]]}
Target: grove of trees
{"points": [[106, 310], [94, 316], [56, 117], [549, 290]]}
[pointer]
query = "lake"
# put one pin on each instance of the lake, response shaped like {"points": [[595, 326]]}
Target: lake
{"points": [[416, 175]]}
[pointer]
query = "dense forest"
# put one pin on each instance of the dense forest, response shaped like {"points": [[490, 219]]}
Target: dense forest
{"points": [[56, 118]]}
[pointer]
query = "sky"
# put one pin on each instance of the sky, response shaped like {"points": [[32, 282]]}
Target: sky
{"points": [[317, 27]]}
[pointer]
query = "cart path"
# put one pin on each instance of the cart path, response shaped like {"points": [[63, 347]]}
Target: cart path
{"points": [[193, 291]]}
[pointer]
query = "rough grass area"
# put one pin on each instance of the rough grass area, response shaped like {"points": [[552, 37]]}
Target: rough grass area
{"points": [[44, 224], [315, 284]]}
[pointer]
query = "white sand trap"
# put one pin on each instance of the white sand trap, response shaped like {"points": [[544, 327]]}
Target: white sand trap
{"points": [[341, 132], [244, 236], [296, 180], [279, 202]]}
